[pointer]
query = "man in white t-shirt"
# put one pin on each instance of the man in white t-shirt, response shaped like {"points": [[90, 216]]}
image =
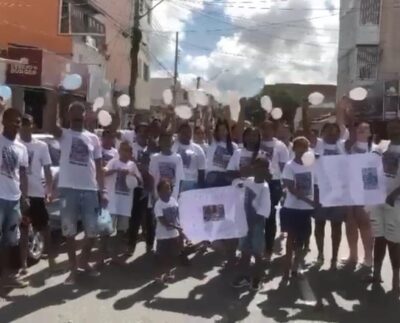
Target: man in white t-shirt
{"points": [[81, 182], [13, 188], [39, 162]]}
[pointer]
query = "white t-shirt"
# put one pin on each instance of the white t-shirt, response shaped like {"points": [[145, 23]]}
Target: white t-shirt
{"points": [[218, 156], [324, 149], [170, 212], [304, 179], [38, 157], [120, 195], [193, 159], [362, 147], [167, 166], [13, 156], [391, 163], [79, 150], [277, 153], [258, 194], [240, 158], [108, 154]]}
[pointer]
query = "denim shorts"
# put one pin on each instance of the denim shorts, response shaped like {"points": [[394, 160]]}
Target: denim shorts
{"points": [[10, 219], [254, 242], [297, 222], [79, 205]]}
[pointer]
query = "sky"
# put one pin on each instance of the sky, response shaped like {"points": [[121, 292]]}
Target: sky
{"points": [[240, 45]]}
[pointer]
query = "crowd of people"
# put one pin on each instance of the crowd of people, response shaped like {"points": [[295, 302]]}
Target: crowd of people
{"points": [[138, 175]]}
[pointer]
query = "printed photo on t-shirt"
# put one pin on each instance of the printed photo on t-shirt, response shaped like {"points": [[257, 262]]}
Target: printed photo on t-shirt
{"points": [[186, 158], [171, 215], [31, 154], [120, 184], [213, 213], [221, 157], [370, 178], [9, 161], [167, 170], [303, 182], [390, 162], [106, 156], [143, 157], [79, 154], [245, 161]]}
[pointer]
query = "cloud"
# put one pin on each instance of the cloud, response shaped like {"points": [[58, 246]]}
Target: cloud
{"points": [[291, 41]]}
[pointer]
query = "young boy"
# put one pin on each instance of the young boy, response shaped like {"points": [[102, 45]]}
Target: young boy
{"points": [[107, 145], [168, 232], [119, 173], [167, 165], [257, 206], [298, 207]]}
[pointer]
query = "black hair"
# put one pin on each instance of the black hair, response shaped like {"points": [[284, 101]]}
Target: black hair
{"points": [[106, 132], [162, 182], [245, 132], [224, 122], [184, 125], [12, 112], [328, 125], [78, 104], [300, 139], [141, 125]]}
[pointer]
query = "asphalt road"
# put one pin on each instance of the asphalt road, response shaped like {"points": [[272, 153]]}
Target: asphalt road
{"points": [[201, 294]]}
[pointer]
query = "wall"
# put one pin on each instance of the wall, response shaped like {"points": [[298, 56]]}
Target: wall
{"points": [[34, 23]]}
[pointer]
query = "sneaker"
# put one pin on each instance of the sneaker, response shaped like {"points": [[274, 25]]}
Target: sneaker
{"points": [[14, 282], [256, 284], [241, 282]]}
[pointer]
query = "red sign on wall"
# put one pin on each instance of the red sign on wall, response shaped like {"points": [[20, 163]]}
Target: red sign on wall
{"points": [[26, 75]]}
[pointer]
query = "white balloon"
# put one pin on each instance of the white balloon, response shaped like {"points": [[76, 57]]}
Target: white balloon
{"points": [[358, 94], [98, 103], [276, 113], [168, 96], [124, 100], [316, 98], [104, 118], [192, 98], [308, 158], [201, 97], [183, 112], [266, 103], [5, 92], [72, 82], [131, 182]]}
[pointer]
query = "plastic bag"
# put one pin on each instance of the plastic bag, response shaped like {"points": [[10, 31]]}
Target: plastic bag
{"points": [[104, 222]]}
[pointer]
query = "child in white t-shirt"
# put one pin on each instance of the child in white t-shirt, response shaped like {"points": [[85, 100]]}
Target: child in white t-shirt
{"points": [[168, 231], [257, 205], [121, 178], [298, 207]]}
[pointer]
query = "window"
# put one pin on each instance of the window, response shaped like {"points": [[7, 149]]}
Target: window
{"points": [[367, 62], [370, 12], [148, 14], [146, 72], [139, 73], [141, 6]]}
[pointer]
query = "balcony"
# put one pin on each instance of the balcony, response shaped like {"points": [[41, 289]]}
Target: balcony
{"points": [[79, 20]]}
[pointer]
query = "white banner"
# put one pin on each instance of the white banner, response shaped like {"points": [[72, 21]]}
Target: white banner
{"points": [[212, 214], [347, 180]]}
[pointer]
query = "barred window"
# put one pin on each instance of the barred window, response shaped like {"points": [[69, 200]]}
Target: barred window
{"points": [[367, 62], [370, 12]]}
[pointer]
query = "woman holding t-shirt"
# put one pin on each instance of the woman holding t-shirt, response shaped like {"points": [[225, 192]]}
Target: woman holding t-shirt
{"points": [[218, 155], [329, 145]]}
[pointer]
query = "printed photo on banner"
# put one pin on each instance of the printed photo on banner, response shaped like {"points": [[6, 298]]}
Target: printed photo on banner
{"points": [[391, 163], [167, 170], [221, 157], [331, 152], [79, 154], [9, 160], [213, 213], [370, 178]]}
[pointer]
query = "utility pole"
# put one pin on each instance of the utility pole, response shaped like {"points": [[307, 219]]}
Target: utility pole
{"points": [[176, 65], [136, 39]]}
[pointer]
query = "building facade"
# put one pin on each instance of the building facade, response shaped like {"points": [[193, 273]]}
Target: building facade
{"points": [[369, 45]]}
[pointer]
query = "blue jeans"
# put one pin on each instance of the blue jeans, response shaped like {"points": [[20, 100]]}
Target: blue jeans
{"points": [[79, 205], [10, 219]]}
